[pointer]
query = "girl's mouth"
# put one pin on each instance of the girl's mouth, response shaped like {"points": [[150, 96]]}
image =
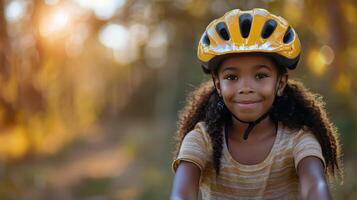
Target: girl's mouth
{"points": [[248, 104]]}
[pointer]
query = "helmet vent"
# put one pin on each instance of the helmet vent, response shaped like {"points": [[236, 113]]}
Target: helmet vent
{"points": [[245, 23], [205, 39], [222, 30], [268, 28], [289, 36]]}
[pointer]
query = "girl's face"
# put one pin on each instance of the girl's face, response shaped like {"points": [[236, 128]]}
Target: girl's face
{"points": [[248, 84]]}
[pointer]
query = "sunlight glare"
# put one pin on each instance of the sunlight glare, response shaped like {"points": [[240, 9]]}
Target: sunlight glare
{"points": [[103, 9], [114, 36], [15, 10], [56, 22]]}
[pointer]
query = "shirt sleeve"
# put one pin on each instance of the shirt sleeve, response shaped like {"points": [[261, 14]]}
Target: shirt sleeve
{"points": [[307, 145], [194, 149]]}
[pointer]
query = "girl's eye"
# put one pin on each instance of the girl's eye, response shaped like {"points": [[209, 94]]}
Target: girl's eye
{"points": [[231, 77], [261, 76]]}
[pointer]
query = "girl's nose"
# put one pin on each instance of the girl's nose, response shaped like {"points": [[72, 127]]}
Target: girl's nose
{"points": [[245, 87], [245, 90]]}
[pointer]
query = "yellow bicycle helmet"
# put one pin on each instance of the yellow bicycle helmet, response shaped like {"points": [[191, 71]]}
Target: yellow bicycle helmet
{"points": [[254, 30]]}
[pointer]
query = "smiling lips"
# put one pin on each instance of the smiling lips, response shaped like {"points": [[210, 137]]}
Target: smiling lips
{"points": [[248, 104]]}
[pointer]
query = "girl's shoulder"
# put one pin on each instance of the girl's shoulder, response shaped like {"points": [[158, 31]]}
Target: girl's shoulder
{"points": [[200, 130], [201, 126], [299, 142], [296, 135]]}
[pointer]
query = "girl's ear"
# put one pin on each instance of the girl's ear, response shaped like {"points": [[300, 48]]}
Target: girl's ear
{"points": [[283, 82], [215, 79]]}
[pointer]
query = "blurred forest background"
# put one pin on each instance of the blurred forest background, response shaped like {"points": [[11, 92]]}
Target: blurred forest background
{"points": [[90, 89]]}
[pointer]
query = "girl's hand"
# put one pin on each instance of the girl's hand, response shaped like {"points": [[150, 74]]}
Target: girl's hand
{"points": [[312, 179], [186, 182]]}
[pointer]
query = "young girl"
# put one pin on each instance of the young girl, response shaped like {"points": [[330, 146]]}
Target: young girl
{"points": [[251, 133]]}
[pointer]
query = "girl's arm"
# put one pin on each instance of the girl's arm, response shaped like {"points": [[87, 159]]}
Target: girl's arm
{"points": [[186, 182], [312, 179]]}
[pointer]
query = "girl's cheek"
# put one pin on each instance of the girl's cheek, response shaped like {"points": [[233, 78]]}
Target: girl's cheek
{"points": [[268, 88], [225, 88], [227, 93]]}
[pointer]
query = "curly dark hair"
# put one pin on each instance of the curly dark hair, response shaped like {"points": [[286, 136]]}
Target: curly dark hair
{"points": [[298, 107]]}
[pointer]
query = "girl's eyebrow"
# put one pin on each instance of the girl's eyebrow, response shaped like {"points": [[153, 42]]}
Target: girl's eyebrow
{"points": [[258, 66], [229, 68]]}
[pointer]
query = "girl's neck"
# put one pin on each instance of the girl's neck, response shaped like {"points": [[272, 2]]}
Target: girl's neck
{"points": [[264, 129]]}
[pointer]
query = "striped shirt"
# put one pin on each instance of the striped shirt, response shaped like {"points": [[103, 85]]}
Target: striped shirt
{"points": [[274, 178]]}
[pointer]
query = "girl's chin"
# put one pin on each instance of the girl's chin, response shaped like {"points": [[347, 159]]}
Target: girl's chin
{"points": [[249, 117]]}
